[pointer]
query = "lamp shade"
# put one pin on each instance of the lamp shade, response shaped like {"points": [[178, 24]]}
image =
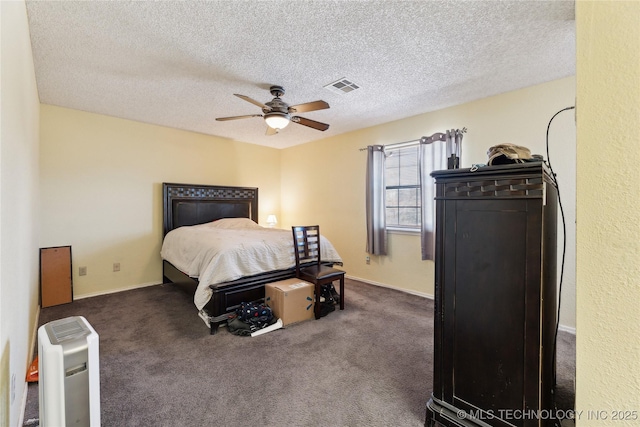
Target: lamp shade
{"points": [[277, 120], [271, 220]]}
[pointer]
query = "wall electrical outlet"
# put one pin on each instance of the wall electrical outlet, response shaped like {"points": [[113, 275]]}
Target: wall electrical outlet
{"points": [[367, 259], [116, 266], [82, 271]]}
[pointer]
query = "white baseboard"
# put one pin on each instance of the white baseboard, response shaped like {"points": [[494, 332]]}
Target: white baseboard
{"points": [[23, 407], [568, 329], [32, 348], [113, 291], [384, 285], [563, 328]]}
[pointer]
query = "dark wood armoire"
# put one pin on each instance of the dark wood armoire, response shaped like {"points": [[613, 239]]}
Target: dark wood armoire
{"points": [[495, 297]]}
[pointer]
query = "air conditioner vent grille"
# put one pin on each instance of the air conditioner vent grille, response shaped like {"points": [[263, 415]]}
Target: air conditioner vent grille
{"points": [[342, 86], [66, 329]]}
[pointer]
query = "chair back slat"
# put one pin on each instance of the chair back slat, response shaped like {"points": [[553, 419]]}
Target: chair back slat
{"points": [[306, 244]]}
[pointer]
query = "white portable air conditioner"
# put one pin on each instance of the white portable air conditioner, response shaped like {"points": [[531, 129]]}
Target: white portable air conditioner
{"points": [[69, 373]]}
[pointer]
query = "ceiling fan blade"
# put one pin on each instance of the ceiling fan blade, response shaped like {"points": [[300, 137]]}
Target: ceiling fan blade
{"points": [[253, 101], [271, 131], [308, 106], [222, 119], [310, 123]]}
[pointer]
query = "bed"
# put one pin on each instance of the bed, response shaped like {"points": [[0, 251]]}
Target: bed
{"points": [[196, 210]]}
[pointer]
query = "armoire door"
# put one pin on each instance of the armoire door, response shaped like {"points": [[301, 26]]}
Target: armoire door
{"points": [[492, 304]]}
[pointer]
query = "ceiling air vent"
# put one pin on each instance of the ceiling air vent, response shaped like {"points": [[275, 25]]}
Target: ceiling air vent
{"points": [[342, 86]]}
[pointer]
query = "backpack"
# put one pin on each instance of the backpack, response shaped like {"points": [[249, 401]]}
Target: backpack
{"points": [[258, 315], [505, 154]]}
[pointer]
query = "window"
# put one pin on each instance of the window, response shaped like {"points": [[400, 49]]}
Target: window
{"points": [[402, 188], [401, 201]]}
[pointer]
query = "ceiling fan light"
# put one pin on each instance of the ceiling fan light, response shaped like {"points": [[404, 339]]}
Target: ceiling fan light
{"points": [[277, 120]]}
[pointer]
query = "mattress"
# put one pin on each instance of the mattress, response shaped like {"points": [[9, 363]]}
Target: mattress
{"points": [[229, 249]]}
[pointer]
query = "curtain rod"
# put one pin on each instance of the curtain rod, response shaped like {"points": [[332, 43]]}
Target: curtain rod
{"points": [[397, 145]]}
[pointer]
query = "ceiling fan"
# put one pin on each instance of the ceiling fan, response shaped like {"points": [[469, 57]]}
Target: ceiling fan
{"points": [[277, 113]]}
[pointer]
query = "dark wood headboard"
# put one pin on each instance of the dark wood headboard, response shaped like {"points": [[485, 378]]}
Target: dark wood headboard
{"points": [[189, 204]]}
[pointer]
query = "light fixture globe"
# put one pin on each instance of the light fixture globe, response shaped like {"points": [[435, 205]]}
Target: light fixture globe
{"points": [[277, 120]]}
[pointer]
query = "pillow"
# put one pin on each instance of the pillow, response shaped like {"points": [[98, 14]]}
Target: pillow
{"points": [[234, 223]]}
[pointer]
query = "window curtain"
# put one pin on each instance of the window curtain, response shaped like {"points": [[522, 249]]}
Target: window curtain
{"points": [[375, 200], [432, 157]]}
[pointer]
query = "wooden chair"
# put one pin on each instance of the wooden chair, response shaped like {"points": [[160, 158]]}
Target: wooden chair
{"points": [[306, 241]]}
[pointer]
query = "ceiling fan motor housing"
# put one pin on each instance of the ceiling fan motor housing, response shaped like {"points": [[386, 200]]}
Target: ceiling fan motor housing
{"points": [[277, 91], [276, 106]]}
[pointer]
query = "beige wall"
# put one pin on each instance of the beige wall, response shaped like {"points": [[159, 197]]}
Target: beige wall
{"points": [[608, 211], [323, 182], [101, 186], [608, 81], [18, 209]]}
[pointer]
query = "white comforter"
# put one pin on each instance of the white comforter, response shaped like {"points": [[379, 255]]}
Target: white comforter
{"points": [[229, 249]]}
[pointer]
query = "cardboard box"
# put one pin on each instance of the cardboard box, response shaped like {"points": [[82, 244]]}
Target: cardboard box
{"points": [[291, 300]]}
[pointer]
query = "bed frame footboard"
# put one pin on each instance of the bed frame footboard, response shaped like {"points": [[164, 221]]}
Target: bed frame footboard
{"points": [[226, 296]]}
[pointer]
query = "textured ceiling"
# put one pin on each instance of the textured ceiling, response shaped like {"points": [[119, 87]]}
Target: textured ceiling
{"points": [[178, 64]]}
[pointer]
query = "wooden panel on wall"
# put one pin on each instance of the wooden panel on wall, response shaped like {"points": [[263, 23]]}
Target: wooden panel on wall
{"points": [[56, 285]]}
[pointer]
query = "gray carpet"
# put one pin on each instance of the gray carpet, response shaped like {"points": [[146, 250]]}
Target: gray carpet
{"points": [[369, 365]]}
